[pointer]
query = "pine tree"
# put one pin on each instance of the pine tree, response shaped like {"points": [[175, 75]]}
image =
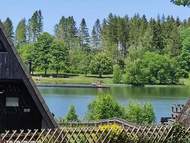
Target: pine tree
{"points": [[20, 37], [60, 28], [157, 36], [171, 36], [84, 36], [71, 32], [96, 34], [66, 30], [8, 26], [35, 26]]}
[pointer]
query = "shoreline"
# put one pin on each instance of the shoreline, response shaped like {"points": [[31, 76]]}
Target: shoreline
{"points": [[73, 85], [88, 85], [86, 82]]}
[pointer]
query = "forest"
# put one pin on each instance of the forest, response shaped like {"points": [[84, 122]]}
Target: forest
{"points": [[136, 50]]}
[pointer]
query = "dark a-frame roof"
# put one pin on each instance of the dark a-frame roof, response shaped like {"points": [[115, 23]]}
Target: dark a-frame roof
{"points": [[23, 74]]}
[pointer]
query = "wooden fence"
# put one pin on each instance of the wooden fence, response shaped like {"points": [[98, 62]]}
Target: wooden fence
{"points": [[86, 135], [110, 131]]}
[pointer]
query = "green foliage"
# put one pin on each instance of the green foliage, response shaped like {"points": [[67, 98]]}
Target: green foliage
{"points": [[25, 51], [79, 61], [101, 64], [117, 135], [41, 54], [66, 30], [140, 114], [59, 56], [117, 74], [152, 68], [118, 40], [35, 26], [20, 37], [178, 134], [96, 35], [181, 2], [115, 34], [84, 36], [71, 115], [85, 64], [8, 26], [184, 57], [157, 43], [104, 107]]}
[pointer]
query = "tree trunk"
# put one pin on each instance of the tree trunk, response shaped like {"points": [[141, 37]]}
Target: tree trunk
{"points": [[100, 75], [45, 72], [57, 72]]}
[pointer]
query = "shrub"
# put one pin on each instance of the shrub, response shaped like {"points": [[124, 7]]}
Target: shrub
{"points": [[117, 135], [140, 114], [104, 107], [71, 115]]}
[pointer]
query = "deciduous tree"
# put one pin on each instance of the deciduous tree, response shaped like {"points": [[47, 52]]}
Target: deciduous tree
{"points": [[59, 56], [42, 52], [101, 64]]}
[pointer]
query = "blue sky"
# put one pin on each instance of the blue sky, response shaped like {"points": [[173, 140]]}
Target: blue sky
{"points": [[89, 9]]}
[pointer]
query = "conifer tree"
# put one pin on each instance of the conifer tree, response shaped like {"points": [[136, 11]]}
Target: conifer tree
{"points": [[35, 26], [20, 36], [96, 34], [66, 30], [84, 36], [8, 26], [157, 36]]}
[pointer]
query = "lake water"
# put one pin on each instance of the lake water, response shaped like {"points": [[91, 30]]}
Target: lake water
{"points": [[162, 98]]}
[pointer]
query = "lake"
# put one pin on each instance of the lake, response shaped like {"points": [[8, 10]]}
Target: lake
{"points": [[162, 98]]}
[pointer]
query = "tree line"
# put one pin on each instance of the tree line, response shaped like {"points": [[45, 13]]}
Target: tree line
{"points": [[145, 51]]}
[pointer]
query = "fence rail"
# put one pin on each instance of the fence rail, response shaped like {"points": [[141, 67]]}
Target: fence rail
{"points": [[85, 134], [96, 132]]}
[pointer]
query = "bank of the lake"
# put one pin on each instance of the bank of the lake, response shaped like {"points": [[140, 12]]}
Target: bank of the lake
{"points": [[106, 80], [161, 97], [81, 79]]}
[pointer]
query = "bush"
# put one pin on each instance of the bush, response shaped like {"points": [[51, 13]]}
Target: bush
{"points": [[117, 74], [71, 115], [104, 107], [117, 135], [152, 68], [140, 114]]}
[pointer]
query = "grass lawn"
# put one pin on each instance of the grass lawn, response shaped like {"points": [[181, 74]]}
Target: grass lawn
{"points": [[186, 82], [81, 79]]}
